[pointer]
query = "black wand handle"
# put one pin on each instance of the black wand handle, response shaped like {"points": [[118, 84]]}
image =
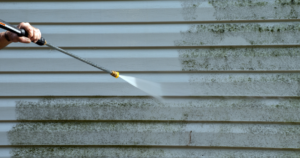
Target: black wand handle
{"points": [[19, 32]]}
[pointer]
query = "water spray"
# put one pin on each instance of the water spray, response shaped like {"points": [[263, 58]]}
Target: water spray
{"points": [[42, 42]]}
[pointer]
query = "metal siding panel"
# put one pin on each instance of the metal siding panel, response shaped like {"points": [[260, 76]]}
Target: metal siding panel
{"points": [[172, 84], [247, 110], [105, 11], [170, 35], [62, 152], [214, 59], [153, 134], [149, 11], [229, 108], [121, 60], [5, 153]]}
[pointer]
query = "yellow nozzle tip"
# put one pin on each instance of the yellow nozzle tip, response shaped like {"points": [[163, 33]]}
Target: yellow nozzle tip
{"points": [[118, 74], [115, 74]]}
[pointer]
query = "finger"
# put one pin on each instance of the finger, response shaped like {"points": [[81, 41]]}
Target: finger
{"points": [[24, 40], [37, 35], [33, 36], [27, 27], [13, 37]]}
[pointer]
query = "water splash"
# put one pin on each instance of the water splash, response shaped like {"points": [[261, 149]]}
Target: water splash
{"points": [[154, 89]]}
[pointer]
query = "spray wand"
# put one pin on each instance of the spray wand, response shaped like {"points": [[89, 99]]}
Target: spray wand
{"points": [[42, 42]]}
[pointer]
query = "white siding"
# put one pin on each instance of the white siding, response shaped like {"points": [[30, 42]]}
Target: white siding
{"points": [[228, 70]]}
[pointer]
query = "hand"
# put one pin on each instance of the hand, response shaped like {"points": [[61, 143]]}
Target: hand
{"points": [[34, 34]]}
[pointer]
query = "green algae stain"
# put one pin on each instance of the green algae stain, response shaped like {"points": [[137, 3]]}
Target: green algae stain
{"points": [[189, 8], [240, 59], [288, 2], [254, 34], [83, 109], [88, 152], [255, 9], [93, 133], [237, 3], [248, 27], [277, 84], [281, 78], [109, 152]]}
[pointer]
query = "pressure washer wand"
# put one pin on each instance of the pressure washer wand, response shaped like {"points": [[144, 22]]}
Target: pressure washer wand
{"points": [[113, 73], [42, 41]]}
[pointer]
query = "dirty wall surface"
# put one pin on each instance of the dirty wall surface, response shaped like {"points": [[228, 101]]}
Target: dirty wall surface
{"points": [[229, 72]]}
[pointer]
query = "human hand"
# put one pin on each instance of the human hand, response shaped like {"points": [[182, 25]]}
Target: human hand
{"points": [[34, 34]]}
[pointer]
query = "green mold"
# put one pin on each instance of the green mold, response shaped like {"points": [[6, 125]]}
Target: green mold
{"points": [[189, 8], [288, 2], [243, 34], [71, 152], [247, 27], [237, 3], [81, 109], [240, 59], [90, 133], [255, 9], [105, 152]]}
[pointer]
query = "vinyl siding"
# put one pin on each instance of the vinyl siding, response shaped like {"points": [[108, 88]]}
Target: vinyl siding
{"points": [[228, 70]]}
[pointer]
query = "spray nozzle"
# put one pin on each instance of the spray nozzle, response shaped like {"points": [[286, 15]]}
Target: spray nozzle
{"points": [[115, 74]]}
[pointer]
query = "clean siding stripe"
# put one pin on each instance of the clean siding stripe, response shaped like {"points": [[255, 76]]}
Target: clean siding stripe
{"points": [[185, 84], [121, 60], [117, 11], [5, 152]]}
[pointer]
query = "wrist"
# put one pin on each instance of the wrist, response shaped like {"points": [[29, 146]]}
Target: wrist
{"points": [[3, 38], [6, 36]]}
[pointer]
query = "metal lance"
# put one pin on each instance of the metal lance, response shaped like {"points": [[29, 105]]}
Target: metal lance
{"points": [[113, 73]]}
